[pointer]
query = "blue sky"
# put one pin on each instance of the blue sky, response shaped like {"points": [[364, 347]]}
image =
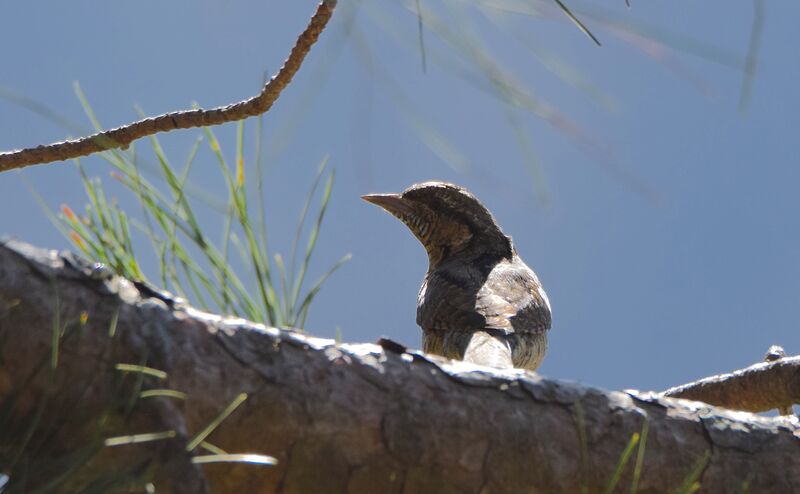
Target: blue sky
{"points": [[668, 245]]}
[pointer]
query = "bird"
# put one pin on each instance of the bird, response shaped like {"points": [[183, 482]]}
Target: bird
{"points": [[479, 302]]}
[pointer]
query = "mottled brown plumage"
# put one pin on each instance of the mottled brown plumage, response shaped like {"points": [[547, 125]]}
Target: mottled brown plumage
{"points": [[478, 302]]}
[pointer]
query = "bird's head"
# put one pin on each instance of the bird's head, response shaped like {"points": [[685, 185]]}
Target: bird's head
{"points": [[447, 220]]}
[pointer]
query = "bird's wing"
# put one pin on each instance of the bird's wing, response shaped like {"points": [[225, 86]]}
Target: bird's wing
{"points": [[513, 299], [510, 298], [447, 303]]}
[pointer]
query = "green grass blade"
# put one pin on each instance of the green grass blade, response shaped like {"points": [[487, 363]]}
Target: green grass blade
{"points": [[263, 277], [20, 448], [217, 150], [226, 242], [284, 307], [303, 311], [168, 393], [112, 154], [241, 248], [56, 221], [87, 108], [112, 325], [138, 438], [215, 423], [165, 269], [167, 218], [141, 369], [259, 167], [189, 275], [622, 463], [56, 327], [172, 234], [301, 222], [691, 484], [637, 469], [212, 448], [132, 265], [236, 458], [312, 240]]}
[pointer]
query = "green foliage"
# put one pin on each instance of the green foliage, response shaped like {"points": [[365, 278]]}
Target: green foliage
{"points": [[190, 264]]}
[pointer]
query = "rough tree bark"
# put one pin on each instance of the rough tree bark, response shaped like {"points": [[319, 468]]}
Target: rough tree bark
{"points": [[339, 418]]}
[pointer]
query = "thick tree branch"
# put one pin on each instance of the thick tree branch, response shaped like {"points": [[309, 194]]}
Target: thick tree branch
{"points": [[121, 137], [339, 418], [758, 388]]}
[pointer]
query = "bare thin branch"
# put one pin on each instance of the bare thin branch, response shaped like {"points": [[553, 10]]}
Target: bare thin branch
{"points": [[121, 137]]}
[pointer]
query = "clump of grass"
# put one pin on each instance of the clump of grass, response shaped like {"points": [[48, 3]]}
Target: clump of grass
{"points": [[189, 262], [34, 457], [207, 273]]}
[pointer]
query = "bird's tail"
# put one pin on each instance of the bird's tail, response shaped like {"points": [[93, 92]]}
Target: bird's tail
{"points": [[487, 349]]}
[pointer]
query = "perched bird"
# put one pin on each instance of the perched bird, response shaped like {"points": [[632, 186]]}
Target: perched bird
{"points": [[478, 302]]}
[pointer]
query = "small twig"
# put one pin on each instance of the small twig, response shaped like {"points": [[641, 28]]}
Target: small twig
{"points": [[758, 388], [776, 352], [121, 137], [420, 33], [751, 61]]}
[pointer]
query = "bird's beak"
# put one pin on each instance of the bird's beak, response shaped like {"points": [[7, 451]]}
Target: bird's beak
{"points": [[392, 203]]}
